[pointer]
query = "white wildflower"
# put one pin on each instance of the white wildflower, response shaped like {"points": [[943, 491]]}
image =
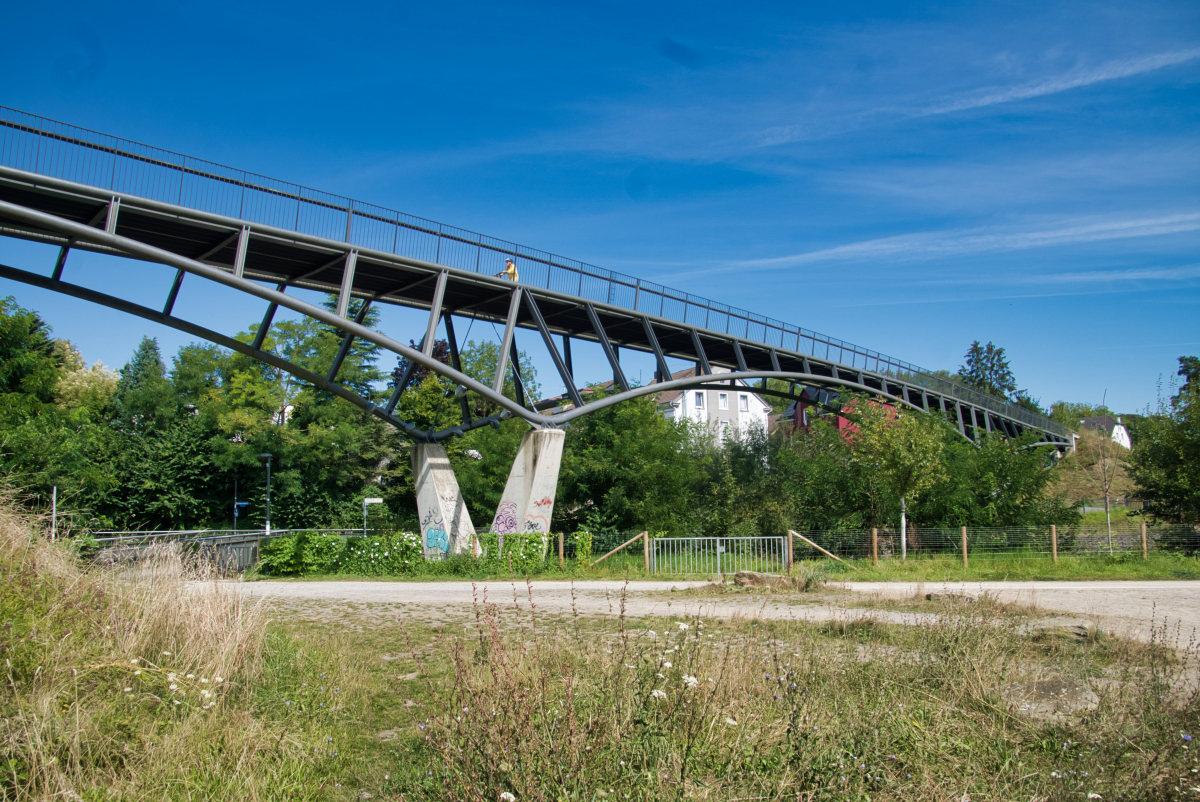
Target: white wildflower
{"points": [[658, 694], [166, 654], [682, 626], [505, 796], [127, 690], [134, 661], [1094, 796], [731, 722], [690, 682], [666, 663]]}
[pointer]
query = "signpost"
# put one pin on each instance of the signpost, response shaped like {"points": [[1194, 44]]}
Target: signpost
{"points": [[367, 501]]}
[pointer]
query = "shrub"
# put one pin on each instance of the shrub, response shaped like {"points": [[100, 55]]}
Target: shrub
{"points": [[583, 548], [524, 551], [382, 555]]}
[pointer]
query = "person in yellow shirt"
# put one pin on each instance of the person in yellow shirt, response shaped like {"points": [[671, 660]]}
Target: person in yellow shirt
{"points": [[509, 271]]}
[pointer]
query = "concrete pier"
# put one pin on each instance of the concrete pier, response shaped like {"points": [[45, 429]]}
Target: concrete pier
{"points": [[446, 526], [528, 501]]}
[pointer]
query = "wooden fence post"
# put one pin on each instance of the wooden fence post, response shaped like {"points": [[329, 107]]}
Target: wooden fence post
{"points": [[1054, 543], [560, 551], [964, 538], [874, 547], [646, 549], [1145, 549], [790, 552]]}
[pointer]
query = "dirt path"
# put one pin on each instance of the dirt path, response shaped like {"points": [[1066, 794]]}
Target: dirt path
{"points": [[1123, 608], [1120, 608], [450, 601]]}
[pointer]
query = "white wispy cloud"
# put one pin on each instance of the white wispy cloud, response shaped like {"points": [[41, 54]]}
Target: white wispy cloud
{"points": [[989, 96], [934, 245], [1109, 71]]}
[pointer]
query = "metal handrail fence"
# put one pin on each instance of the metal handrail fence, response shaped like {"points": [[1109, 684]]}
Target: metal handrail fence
{"points": [[1080, 540], [164, 536], [59, 150]]}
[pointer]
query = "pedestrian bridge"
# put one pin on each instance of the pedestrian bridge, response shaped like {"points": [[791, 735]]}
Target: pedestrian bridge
{"points": [[81, 190]]}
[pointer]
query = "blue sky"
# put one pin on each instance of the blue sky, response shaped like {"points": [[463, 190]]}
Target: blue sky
{"points": [[906, 178]]}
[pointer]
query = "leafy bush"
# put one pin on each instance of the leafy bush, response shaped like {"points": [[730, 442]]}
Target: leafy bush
{"points": [[383, 555], [583, 547], [524, 551], [278, 556]]}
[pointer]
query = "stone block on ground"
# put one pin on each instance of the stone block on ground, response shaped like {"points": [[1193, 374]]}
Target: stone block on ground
{"points": [[753, 579], [1061, 627], [1051, 700]]}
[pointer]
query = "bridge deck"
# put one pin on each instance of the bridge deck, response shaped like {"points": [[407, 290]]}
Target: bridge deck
{"points": [[292, 236]]}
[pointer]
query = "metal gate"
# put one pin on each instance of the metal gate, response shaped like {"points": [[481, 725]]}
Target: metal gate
{"points": [[718, 555]]}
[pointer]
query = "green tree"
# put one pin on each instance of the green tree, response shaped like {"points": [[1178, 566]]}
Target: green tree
{"points": [[987, 369], [1070, 413], [144, 399], [637, 469], [1165, 462], [905, 449], [30, 365], [996, 482], [479, 361]]}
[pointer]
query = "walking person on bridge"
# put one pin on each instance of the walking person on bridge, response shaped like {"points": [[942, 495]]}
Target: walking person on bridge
{"points": [[509, 271]]}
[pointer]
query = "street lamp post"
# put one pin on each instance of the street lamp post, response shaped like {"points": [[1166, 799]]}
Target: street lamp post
{"points": [[367, 501], [267, 527]]}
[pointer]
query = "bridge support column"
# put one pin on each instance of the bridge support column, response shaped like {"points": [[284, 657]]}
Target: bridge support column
{"points": [[446, 527], [528, 501]]}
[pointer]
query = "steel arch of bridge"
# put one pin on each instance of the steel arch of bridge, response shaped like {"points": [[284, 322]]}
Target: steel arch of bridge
{"points": [[240, 253]]}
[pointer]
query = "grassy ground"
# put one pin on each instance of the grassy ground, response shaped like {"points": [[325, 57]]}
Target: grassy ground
{"points": [[112, 692], [1017, 567], [915, 569]]}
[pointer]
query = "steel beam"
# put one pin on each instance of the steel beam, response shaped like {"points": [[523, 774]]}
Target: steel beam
{"points": [[60, 262], [602, 336], [514, 309], [567, 354], [664, 371], [174, 293], [347, 341], [239, 259], [559, 364], [261, 334], [110, 222], [220, 245], [455, 363], [702, 366], [343, 302], [515, 358]]}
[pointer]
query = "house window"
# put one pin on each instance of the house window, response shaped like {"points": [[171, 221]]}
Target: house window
{"points": [[723, 400], [724, 430], [700, 399], [744, 403]]}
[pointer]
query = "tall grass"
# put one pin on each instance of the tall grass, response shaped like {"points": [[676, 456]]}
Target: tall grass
{"points": [[851, 710], [119, 681]]}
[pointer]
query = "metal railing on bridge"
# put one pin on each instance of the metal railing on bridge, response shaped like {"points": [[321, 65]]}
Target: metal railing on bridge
{"points": [[59, 150]]}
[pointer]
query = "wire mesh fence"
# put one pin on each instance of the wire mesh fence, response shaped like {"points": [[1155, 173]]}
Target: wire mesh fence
{"points": [[1083, 541]]}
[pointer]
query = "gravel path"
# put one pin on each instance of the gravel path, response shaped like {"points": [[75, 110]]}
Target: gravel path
{"points": [[1124, 608]]}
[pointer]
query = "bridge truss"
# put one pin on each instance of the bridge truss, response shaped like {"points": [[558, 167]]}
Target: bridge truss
{"points": [[81, 190]]}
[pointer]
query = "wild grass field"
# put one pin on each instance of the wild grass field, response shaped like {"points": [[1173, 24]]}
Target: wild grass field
{"points": [[162, 683]]}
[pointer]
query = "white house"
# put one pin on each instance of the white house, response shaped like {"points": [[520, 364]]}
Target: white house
{"points": [[1110, 426], [721, 407]]}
